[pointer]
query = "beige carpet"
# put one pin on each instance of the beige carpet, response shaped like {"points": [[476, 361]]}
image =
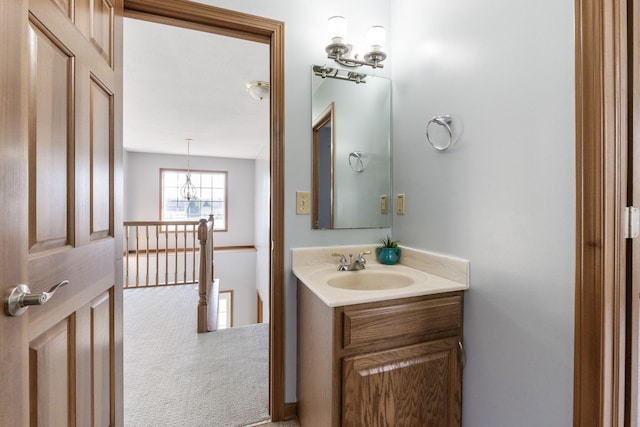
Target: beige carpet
{"points": [[174, 376]]}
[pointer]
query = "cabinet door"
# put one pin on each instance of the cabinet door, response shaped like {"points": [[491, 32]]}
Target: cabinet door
{"points": [[417, 385]]}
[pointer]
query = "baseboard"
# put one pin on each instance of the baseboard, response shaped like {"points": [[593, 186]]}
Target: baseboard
{"points": [[290, 410]]}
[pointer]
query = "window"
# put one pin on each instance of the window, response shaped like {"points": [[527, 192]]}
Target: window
{"points": [[211, 196]]}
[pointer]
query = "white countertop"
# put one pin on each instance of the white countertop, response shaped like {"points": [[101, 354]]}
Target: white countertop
{"points": [[431, 273]]}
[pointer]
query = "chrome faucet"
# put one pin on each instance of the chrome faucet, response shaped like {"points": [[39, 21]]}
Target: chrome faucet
{"points": [[357, 264]]}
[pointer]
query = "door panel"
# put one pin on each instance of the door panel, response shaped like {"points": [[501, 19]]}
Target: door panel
{"points": [[51, 98], [51, 367], [65, 7], [102, 347], [379, 388], [101, 159], [102, 14], [60, 136]]}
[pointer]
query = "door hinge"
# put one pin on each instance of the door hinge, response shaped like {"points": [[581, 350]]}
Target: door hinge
{"points": [[631, 222]]}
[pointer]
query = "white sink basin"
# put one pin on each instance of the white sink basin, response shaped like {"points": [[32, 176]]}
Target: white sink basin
{"points": [[421, 273], [368, 280]]}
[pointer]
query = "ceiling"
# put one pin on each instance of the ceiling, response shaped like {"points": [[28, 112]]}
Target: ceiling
{"points": [[181, 83]]}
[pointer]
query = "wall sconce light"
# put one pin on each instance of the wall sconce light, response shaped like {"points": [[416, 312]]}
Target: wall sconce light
{"points": [[257, 89], [338, 49]]}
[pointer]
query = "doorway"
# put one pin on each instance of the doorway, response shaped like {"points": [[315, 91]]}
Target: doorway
{"points": [[225, 22]]}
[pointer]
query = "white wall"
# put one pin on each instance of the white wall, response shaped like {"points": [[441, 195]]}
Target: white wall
{"points": [[142, 193], [503, 197], [305, 39], [237, 271]]}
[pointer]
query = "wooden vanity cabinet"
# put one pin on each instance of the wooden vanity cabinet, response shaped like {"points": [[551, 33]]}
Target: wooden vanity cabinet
{"points": [[389, 363]]}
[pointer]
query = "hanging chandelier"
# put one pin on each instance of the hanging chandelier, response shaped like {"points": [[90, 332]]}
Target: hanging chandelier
{"points": [[188, 190]]}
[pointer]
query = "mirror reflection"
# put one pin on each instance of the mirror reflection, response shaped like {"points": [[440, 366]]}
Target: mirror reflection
{"points": [[351, 117]]}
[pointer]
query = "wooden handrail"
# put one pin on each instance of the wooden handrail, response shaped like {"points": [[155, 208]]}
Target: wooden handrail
{"points": [[145, 223]]}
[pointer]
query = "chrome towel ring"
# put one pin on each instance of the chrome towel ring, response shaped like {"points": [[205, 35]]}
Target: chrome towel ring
{"points": [[445, 121], [357, 165]]}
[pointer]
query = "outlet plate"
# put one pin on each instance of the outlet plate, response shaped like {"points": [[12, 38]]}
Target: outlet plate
{"points": [[384, 204], [400, 208], [303, 203]]}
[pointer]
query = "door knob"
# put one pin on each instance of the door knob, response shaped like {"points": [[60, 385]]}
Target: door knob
{"points": [[20, 298]]}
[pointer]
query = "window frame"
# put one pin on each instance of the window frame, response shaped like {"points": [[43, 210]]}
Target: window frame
{"points": [[198, 171]]}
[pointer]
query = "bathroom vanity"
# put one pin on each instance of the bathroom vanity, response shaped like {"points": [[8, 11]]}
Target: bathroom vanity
{"points": [[386, 355]]}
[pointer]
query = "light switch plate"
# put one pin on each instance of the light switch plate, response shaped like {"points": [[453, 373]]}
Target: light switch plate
{"points": [[303, 203], [384, 204], [400, 204]]}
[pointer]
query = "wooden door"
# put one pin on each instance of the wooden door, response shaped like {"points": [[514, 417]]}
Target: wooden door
{"points": [[417, 385], [60, 186]]}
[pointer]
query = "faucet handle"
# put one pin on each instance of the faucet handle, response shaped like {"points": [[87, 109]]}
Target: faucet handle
{"points": [[361, 257], [343, 259]]}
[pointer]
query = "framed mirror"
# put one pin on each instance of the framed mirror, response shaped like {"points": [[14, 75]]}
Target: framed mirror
{"points": [[351, 126]]}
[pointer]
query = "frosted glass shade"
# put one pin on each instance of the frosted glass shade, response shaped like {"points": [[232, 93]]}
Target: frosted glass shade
{"points": [[337, 29], [257, 89], [375, 38]]}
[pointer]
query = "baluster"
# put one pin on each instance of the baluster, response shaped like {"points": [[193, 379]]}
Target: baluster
{"points": [[184, 236], [157, 255], [193, 251], [166, 254], [175, 273], [211, 221], [146, 279], [126, 252], [137, 256]]}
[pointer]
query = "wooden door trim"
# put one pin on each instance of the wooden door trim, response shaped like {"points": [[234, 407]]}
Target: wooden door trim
{"points": [[632, 300], [601, 156], [327, 116], [14, 381], [235, 24]]}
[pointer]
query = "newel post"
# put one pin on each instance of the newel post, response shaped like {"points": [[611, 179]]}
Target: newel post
{"points": [[202, 278]]}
